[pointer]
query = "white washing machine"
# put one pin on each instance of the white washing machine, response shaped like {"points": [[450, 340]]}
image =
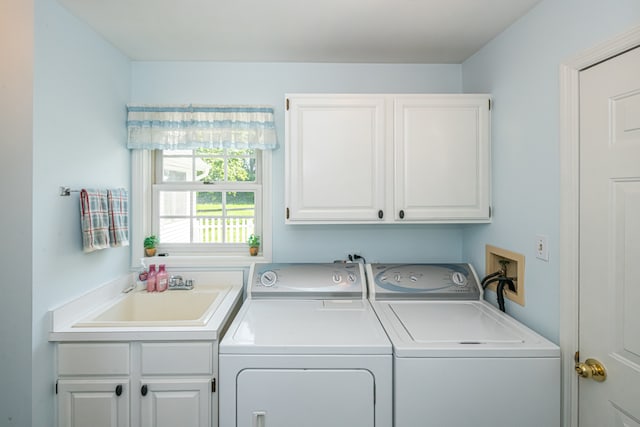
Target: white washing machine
{"points": [[306, 350], [458, 361]]}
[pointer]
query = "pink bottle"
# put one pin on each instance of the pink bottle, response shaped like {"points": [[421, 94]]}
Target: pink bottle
{"points": [[162, 279], [152, 278]]}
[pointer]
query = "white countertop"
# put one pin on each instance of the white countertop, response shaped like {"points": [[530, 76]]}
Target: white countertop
{"points": [[64, 317]]}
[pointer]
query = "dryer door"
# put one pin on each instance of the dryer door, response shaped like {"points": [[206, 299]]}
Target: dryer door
{"points": [[305, 397]]}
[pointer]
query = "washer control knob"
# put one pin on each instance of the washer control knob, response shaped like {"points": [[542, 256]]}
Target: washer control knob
{"points": [[268, 278], [458, 279], [337, 278], [397, 277], [352, 278]]}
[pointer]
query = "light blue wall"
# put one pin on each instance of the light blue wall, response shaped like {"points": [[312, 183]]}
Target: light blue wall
{"points": [[266, 83], [81, 86], [16, 167], [520, 68]]}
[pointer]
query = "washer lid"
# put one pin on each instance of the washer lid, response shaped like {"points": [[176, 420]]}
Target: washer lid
{"points": [[453, 323], [306, 327], [458, 329]]}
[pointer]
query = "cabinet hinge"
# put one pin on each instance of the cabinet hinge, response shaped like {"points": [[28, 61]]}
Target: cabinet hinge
{"points": [[490, 211], [287, 213], [213, 385], [56, 386], [576, 356], [489, 105], [287, 104]]}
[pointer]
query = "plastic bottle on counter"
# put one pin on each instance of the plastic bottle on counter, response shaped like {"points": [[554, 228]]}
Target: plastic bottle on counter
{"points": [[151, 278], [143, 274], [162, 279]]}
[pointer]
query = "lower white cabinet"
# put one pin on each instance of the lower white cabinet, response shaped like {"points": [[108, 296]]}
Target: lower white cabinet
{"points": [[146, 384], [95, 402], [175, 402]]}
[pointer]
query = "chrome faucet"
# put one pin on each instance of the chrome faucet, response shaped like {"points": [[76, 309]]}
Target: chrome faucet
{"points": [[177, 282]]}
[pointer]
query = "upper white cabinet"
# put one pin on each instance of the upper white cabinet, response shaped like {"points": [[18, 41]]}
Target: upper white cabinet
{"points": [[335, 159], [387, 158], [441, 154]]}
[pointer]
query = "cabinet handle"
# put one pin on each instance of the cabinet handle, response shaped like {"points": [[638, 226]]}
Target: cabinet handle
{"points": [[144, 390], [119, 390], [380, 214], [401, 214]]}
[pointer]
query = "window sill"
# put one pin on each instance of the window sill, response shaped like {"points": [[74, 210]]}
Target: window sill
{"points": [[205, 261]]}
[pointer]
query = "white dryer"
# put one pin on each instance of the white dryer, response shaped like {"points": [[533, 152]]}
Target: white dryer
{"points": [[458, 361], [306, 350]]}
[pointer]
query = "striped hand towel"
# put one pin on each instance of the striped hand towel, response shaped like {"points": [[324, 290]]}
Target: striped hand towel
{"points": [[95, 219], [118, 217]]}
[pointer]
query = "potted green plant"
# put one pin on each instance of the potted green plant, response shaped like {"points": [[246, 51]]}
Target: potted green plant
{"points": [[254, 244], [150, 243]]}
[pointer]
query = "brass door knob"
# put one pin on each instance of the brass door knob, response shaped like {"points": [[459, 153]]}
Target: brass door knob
{"points": [[593, 369]]}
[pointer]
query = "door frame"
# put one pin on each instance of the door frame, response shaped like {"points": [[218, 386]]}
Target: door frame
{"points": [[570, 207]]}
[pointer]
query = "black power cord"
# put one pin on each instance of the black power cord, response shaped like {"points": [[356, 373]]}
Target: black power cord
{"points": [[502, 282], [487, 280], [356, 257]]}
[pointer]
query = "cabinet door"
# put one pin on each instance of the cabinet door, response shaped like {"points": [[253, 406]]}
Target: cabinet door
{"points": [[175, 402], [441, 171], [335, 158], [93, 402]]}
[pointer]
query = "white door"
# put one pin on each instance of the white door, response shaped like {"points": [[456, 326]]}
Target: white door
{"points": [[93, 403], [176, 402], [305, 398], [610, 240], [335, 158]]}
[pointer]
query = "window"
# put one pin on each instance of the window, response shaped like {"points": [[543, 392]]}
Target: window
{"points": [[201, 203], [201, 180], [207, 199]]}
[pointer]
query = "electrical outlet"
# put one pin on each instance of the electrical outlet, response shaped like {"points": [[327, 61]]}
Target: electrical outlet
{"points": [[542, 247]]}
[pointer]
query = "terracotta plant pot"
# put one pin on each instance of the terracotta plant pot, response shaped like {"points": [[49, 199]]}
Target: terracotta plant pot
{"points": [[253, 250], [150, 251]]}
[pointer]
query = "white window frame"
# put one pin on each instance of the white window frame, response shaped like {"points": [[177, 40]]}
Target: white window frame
{"points": [[142, 219]]}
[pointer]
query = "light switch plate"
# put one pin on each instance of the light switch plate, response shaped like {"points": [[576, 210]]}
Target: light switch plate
{"points": [[542, 247]]}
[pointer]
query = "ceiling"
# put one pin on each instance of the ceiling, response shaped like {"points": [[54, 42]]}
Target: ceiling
{"points": [[368, 31]]}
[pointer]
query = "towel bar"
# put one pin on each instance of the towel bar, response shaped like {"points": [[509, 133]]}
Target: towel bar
{"points": [[66, 191]]}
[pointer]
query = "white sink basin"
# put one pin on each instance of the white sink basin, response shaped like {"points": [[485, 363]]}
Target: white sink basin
{"points": [[170, 308]]}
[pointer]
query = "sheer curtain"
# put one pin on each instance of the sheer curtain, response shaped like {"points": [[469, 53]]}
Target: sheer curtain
{"points": [[171, 127]]}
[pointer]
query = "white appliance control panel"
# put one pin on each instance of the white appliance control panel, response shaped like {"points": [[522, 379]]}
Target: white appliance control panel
{"points": [[424, 281], [307, 280]]}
